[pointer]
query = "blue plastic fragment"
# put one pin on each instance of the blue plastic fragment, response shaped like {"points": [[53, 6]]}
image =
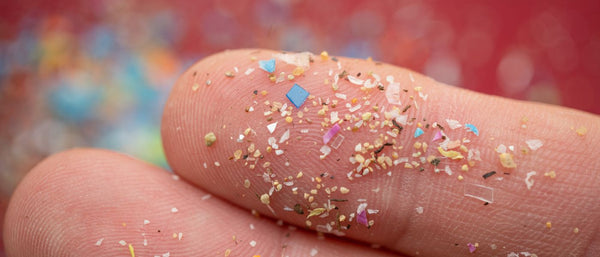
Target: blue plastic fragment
{"points": [[267, 65], [297, 95], [472, 128], [418, 132]]}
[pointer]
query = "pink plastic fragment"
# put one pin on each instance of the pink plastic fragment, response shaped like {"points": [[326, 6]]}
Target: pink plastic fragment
{"points": [[437, 136], [472, 247], [362, 218], [329, 135]]}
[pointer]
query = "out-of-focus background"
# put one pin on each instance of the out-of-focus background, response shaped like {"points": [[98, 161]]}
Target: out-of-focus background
{"points": [[97, 73]]}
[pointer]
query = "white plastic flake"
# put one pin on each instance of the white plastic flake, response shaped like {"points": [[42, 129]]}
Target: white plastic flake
{"points": [[285, 136], [480, 192], [271, 127], [337, 141], [392, 93], [534, 144], [528, 180], [453, 124], [355, 80], [298, 59]]}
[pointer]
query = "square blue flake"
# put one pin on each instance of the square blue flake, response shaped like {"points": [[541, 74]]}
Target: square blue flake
{"points": [[297, 95]]}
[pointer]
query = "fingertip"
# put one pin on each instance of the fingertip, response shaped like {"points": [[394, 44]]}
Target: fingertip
{"points": [[98, 203]]}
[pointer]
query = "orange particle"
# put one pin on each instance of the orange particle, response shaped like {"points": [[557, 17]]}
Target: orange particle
{"points": [[354, 100], [507, 161]]}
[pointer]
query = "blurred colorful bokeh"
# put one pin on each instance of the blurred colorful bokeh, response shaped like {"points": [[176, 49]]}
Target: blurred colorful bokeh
{"points": [[97, 73]]}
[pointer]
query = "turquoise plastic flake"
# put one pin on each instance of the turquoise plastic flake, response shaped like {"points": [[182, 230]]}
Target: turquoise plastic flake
{"points": [[418, 132], [267, 65], [472, 128]]}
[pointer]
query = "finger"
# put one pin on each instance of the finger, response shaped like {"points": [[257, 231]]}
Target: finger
{"points": [[229, 95], [99, 203]]}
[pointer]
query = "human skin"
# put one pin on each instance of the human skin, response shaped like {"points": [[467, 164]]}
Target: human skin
{"points": [[72, 199]]}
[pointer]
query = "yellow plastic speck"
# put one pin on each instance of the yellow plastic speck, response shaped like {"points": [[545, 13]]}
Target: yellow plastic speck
{"points": [[549, 224], [581, 131], [131, 250], [550, 174], [324, 56], [507, 161], [265, 199], [210, 138], [315, 212], [454, 155], [298, 71]]}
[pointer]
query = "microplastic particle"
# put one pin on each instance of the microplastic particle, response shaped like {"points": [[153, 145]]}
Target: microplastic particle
{"points": [[355, 80], [472, 128], [344, 190], [472, 247], [507, 161], [453, 124], [299, 59], [325, 150], [316, 212], [146, 222], [392, 93], [454, 155], [265, 199], [253, 243], [361, 218], [479, 192], [551, 174], [528, 180], [448, 170], [534, 144], [437, 136], [419, 210], [329, 135], [418, 132], [271, 127], [174, 210], [99, 242], [210, 139], [489, 174], [131, 251], [581, 131], [313, 252], [122, 242], [297, 95], [285, 136], [337, 141], [267, 65]]}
